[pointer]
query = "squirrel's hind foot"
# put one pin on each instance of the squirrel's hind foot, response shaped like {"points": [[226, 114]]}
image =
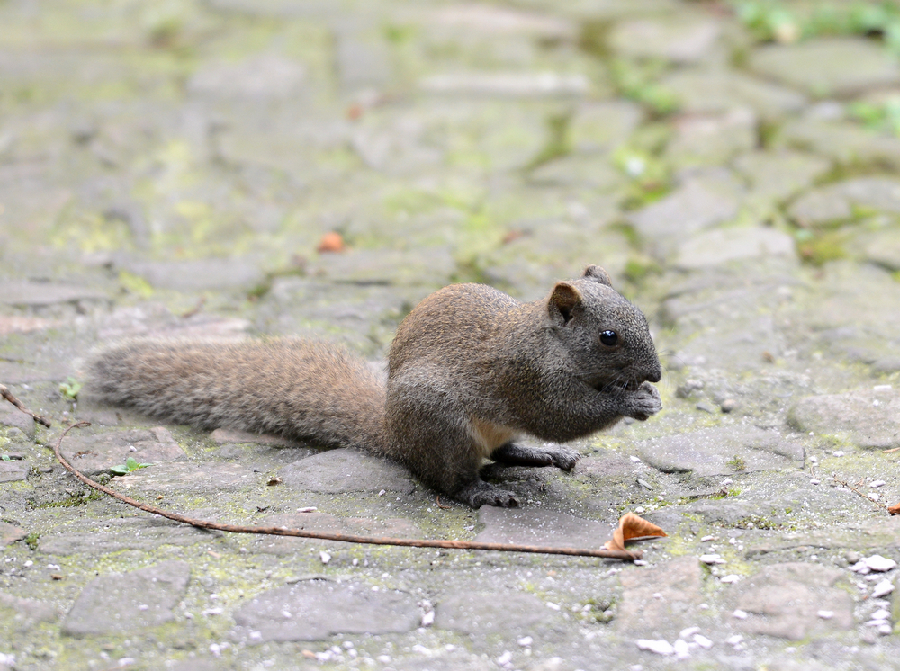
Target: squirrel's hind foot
{"points": [[480, 493]]}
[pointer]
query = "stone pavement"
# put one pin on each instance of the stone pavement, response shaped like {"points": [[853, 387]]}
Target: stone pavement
{"points": [[169, 168]]}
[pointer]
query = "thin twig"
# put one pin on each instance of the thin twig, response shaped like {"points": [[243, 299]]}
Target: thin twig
{"points": [[853, 488], [8, 395], [194, 310], [326, 536]]}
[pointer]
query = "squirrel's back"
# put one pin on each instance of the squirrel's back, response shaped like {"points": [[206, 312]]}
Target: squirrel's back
{"points": [[453, 325], [289, 386]]}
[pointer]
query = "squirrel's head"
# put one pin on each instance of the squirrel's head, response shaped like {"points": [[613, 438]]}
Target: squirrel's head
{"points": [[606, 336]]}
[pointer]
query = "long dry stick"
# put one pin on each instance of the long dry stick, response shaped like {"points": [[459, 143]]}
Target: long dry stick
{"points": [[8, 395], [326, 536]]}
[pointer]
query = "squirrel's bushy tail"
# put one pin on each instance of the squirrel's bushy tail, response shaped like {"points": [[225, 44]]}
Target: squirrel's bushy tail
{"points": [[292, 387]]}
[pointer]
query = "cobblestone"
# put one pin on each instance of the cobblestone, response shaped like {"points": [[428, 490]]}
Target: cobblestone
{"points": [[169, 170]]}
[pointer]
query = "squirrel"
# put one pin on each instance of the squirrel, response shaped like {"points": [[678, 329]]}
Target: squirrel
{"points": [[470, 369]]}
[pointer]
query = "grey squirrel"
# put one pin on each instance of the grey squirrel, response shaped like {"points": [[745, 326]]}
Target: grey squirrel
{"points": [[470, 369]]}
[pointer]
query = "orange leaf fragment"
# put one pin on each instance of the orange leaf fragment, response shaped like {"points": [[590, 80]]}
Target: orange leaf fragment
{"points": [[331, 243], [894, 509], [354, 111], [632, 526], [512, 235]]}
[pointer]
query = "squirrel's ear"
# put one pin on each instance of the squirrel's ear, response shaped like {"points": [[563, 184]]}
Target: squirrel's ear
{"points": [[597, 274], [562, 301]]}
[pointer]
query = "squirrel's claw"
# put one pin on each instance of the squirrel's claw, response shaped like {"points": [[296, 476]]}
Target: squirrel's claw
{"points": [[643, 402]]}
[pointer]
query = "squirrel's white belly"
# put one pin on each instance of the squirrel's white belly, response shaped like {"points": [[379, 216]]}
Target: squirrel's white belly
{"points": [[490, 436]]}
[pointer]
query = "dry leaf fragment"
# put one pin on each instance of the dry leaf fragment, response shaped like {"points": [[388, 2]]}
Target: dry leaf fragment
{"points": [[354, 111], [512, 235], [894, 509], [331, 243], [632, 526]]}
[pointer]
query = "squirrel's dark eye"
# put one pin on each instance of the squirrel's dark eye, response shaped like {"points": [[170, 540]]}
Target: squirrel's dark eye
{"points": [[609, 338]]}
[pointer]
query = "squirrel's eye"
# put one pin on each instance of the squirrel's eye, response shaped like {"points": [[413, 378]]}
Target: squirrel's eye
{"points": [[609, 338]]}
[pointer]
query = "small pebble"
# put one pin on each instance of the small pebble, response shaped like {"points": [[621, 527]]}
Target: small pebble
{"points": [[877, 483], [728, 405], [712, 559], [702, 641], [525, 641], [837, 453], [881, 614], [883, 588], [687, 633], [688, 387], [681, 648], [659, 647], [739, 614], [825, 614], [879, 563], [815, 481], [324, 557], [730, 579]]}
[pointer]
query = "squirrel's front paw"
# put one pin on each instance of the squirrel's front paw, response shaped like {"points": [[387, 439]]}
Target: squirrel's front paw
{"points": [[563, 457], [643, 402]]}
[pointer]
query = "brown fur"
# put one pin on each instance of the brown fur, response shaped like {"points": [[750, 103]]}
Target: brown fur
{"points": [[470, 368]]}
